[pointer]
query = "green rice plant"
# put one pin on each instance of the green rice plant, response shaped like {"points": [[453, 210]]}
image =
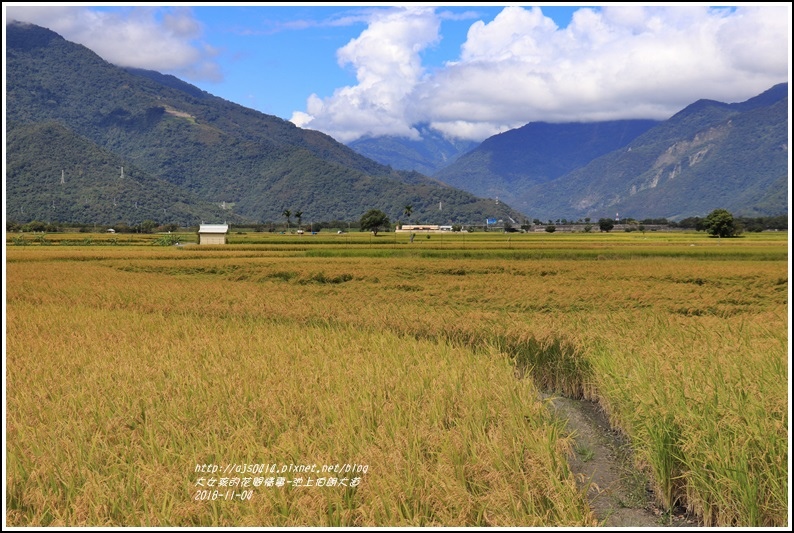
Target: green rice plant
{"points": [[585, 452], [663, 445]]}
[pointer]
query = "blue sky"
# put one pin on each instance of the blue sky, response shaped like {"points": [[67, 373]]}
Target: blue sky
{"points": [[468, 70]]}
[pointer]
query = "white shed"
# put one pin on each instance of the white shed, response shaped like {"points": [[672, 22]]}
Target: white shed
{"points": [[213, 233]]}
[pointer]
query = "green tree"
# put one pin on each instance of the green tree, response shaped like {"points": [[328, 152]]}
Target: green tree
{"points": [[551, 228], [34, 226], [606, 224], [169, 227], [407, 210], [148, 226], [720, 223], [299, 216], [373, 220], [287, 214], [699, 224]]}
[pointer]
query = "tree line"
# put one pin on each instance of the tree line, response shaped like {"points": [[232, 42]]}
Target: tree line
{"points": [[719, 222]]}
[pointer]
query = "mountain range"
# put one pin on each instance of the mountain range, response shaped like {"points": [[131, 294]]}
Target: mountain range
{"points": [[428, 154], [511, 164], [90, 142], [709, 155]]}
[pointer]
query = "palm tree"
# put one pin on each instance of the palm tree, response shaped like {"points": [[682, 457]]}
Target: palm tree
{"points": [[407, 210], [287, 214], [298, 215]]}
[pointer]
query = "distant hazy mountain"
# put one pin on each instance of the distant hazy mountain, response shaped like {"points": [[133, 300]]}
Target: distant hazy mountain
{"points": [[187, 155], [509, 164], [428, 155], [710, 155]]}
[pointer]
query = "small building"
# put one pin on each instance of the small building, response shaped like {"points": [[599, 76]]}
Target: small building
{"points": [[213, 233], [419, 228]]}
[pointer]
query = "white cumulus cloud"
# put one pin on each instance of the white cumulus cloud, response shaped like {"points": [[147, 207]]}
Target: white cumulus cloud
{"points": [[162, 39], [386, 59], [615, 62]]}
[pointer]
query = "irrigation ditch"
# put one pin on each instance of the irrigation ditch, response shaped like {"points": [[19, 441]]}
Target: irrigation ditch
{"points": [[619, 493]]}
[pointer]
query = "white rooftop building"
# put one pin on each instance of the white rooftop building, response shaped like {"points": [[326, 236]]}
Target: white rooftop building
{"points": [[213, 233]]}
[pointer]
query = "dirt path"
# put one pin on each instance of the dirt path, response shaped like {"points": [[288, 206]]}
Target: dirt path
{"points": [[618, 493]]}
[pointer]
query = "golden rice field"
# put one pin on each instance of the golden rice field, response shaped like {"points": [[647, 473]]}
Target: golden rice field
{"points": [[351, 380]]}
